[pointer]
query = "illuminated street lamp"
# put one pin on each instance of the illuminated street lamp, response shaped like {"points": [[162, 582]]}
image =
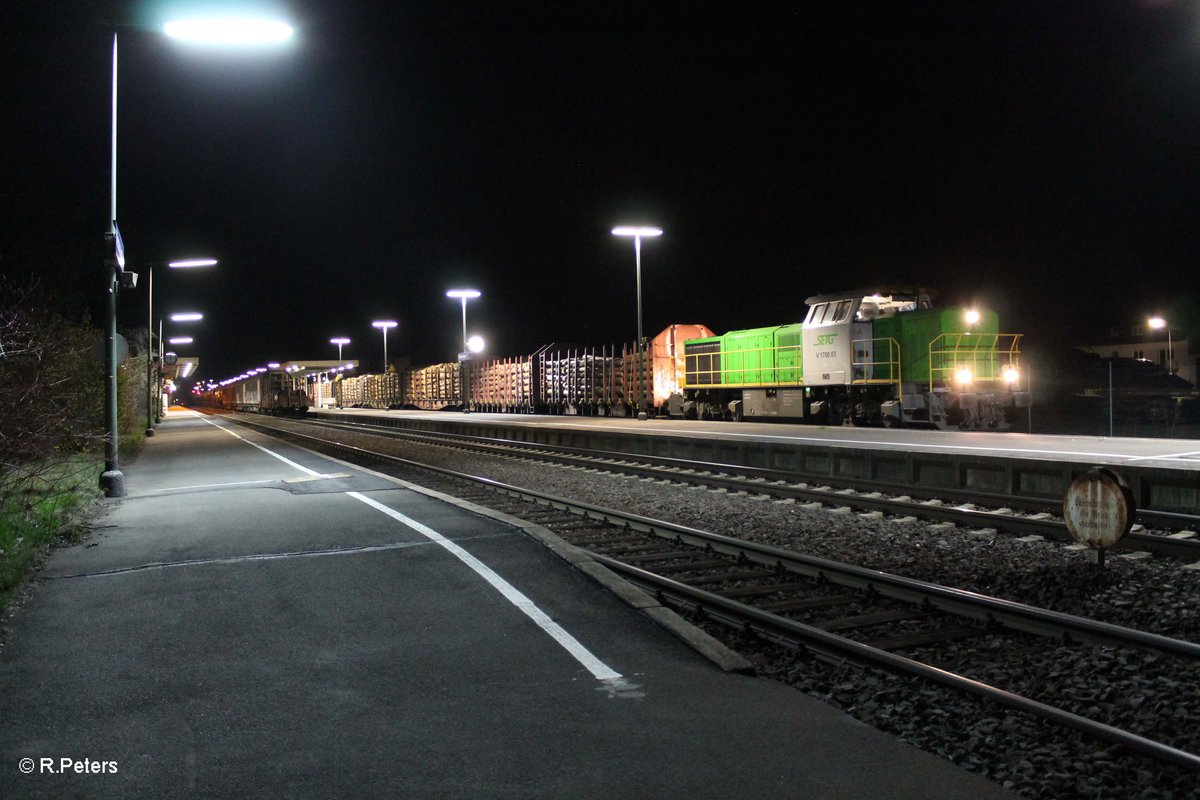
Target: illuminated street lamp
{"points": [[1158, 323], [151, 384], [637, 233], [339, 341], [464, 295], [245, 31], [385, 325]]}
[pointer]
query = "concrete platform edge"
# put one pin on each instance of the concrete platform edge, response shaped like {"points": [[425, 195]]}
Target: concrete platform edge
{"points": [[706, 645]]}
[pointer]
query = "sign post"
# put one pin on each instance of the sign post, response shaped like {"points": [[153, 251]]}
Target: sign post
{"points": [[1098, 510]]}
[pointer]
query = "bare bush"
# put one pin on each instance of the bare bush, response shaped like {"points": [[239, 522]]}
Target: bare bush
{"points": [[51, 396]]}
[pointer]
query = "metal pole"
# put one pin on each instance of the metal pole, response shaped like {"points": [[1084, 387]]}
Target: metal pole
{"points": [[637, 249], [385, 361], [112, 482], [1170, 360], [150, 356], [1110, 400], [158, 375], [464, 316]]}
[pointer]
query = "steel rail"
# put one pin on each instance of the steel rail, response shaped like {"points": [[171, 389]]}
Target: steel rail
{"points": [[960, 602], [783, 484], [1023, 502], [806, 635]]}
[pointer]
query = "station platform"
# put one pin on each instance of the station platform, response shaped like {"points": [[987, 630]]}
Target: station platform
{"points": [[1127, 451], [257, 620]]}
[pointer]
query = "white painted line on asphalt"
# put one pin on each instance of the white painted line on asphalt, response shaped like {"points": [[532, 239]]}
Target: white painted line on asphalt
{"points": [[598, 668], [210, 486], [287, 461], [1167, 457]]}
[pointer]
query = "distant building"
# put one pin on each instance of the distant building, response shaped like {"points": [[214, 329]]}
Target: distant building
{"points": [[1142, 343]]}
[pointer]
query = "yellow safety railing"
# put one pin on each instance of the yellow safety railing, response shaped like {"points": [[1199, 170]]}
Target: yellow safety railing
{"points": [[876, 361], [755, 366], [986, 355]]}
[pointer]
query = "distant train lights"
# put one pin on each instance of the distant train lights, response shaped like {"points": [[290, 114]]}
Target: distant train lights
{"points": [[339, 341], [963, 375], [1011, 375], [1158, 324], [637, 233], [384, 325]]}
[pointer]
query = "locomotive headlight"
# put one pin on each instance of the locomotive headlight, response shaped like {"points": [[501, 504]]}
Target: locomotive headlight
{"points": [[963, 375], [1011, 375], [971, 316]]}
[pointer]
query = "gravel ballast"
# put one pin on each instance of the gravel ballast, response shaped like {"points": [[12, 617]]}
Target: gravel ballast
{"points": [[1154, 695]]}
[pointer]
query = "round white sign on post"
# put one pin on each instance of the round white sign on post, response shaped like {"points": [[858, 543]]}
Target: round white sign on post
{"points": [[1098, 508]]}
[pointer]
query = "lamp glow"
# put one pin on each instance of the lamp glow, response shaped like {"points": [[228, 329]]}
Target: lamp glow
{"points": [[189, 263], [633, 230], [1011, 375], [963, 375], [475, 344], [179, 340], [229, 31], [971, 316], [189, 316]]}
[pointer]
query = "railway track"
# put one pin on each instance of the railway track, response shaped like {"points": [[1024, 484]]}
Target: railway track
{"points": [[1163, 533], [824, 609]]}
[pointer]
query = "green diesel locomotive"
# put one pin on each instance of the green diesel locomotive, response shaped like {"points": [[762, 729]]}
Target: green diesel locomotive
{"points": [[876, 356]]}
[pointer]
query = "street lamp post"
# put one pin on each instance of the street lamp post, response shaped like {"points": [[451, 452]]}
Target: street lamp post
{"points": [[339, 341], [637, 233], [385, 325], [465, 354], [1158, 323], [242, 31], [151, 384]]}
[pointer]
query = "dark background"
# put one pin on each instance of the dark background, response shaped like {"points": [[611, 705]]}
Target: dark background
{"points": [[1038, 158]]}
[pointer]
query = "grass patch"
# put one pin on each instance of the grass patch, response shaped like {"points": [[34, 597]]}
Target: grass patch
{"points": [[39, 507]]}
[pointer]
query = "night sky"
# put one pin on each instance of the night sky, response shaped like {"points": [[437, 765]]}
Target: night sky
{"points": [[1039, 158]]}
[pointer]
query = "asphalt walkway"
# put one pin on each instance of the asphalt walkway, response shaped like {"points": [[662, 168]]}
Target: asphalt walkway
{"points": [[256, 620]]}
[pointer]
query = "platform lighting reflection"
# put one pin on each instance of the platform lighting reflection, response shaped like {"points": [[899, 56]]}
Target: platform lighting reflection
{"points": [[187, 316]]}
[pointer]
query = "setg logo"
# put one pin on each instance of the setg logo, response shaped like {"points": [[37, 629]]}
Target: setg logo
{"points": [[827, 338]]}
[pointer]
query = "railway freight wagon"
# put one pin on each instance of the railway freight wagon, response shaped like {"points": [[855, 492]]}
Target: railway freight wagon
{"points": [[561, 379], [884, 356], [267, 391]]}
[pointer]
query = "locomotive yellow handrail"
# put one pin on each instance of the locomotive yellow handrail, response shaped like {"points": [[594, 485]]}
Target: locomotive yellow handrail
{"points": [[986, 355], [869, 372], [697, 363]]}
